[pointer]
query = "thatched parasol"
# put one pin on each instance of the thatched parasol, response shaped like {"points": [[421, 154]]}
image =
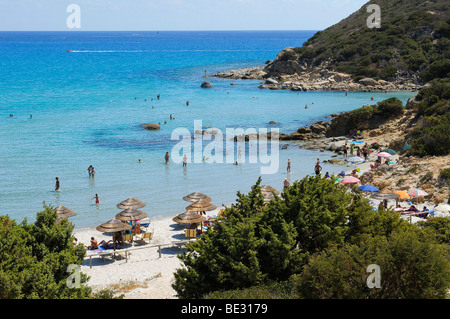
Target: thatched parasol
{"points": [[189, 218], [113, 226], [131, 215], [64, 212], [196, 196], [269, 189], [131, 203], [201, 206]]}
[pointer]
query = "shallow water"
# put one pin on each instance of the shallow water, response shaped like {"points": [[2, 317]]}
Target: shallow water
{"points": [[87, 106]]}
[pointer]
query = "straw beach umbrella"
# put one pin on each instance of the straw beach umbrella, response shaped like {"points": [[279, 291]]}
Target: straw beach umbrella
{"points": [[201, 206], [113, 226], [64, 212], [193, 197], [131, 215], [131, 203], [189, 218], [269, 189]]}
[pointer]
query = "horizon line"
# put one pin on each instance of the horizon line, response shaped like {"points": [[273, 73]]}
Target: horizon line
{"points": [[69, 30]]}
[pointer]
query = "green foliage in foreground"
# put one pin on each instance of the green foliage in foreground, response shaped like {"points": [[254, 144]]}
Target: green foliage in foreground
{"points": [[34, 259], [315, 242]]}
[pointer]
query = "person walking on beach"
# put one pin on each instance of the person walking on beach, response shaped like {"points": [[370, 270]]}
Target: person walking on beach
{"points": [[57, 184], [184, 160], [288, 168], [344, 148], [166, 157], [365, 152]]}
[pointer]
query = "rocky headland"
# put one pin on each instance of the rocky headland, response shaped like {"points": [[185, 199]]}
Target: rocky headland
{"points": [[297, 76]]}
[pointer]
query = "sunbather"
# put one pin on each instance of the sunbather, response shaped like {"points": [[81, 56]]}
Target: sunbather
{"points": [[93, 245]]}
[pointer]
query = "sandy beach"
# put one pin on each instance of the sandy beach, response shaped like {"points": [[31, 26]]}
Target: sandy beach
{"points": [[146, 274]]}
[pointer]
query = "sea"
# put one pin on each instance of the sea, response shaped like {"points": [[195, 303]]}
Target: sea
{"points": [[73, 99]]}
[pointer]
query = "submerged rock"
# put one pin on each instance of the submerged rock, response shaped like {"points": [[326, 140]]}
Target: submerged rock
{"points": [[151, 126], [206, 85]]}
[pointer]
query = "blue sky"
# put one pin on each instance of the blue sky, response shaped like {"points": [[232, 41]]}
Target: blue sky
{"points": [[105, 15]]}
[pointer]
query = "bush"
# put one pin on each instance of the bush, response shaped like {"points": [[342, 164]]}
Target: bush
{"points": [[390, 107], [34, 259]]}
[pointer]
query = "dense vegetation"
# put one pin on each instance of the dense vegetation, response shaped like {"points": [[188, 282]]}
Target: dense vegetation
{"points": [[316, 241], [366, 117], [431, 136], [412, 43], [34, 259]]}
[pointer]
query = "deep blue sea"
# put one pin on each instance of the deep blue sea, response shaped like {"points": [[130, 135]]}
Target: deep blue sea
{"points": [[87, 104]]}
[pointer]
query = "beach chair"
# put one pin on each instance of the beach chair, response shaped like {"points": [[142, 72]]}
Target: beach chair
{"points": [[190, 233], [143, 236], [127, 237]]}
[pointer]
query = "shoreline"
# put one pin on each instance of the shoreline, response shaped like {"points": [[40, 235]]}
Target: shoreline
{"points": [[314, 79]]}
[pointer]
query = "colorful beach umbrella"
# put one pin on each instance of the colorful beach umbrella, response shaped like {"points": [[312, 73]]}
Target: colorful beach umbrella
{"points": [[384, 154], [402, 194], [350, 180], [390, 151], [355, 159], [417, 193], [443, 208], [368, 188]]}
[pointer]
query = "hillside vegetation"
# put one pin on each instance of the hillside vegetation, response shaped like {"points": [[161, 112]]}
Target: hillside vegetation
{"points": [[412, 43]]}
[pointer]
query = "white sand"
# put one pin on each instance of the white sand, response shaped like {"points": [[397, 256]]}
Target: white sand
{"points": [[145, 275]]}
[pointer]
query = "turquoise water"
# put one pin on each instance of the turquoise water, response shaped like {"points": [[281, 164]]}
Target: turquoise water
{"points": [[86, 107]]}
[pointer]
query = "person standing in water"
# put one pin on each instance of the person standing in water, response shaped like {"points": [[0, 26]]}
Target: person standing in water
{"points": [[57, 184], [317, 168], [166, 157], [96, 199], [184, 160], [289, 165]]}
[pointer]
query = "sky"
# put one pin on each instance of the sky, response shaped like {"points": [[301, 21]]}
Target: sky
{"points": [[173, 15]]}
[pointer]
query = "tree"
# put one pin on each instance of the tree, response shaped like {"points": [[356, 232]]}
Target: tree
{"points": [[34, 258], [246, 248], [411, 267]]}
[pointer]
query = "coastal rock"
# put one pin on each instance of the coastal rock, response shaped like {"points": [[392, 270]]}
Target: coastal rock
{"points": [[271, 81], [151, 126], [206, 85], [369, 82]]}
